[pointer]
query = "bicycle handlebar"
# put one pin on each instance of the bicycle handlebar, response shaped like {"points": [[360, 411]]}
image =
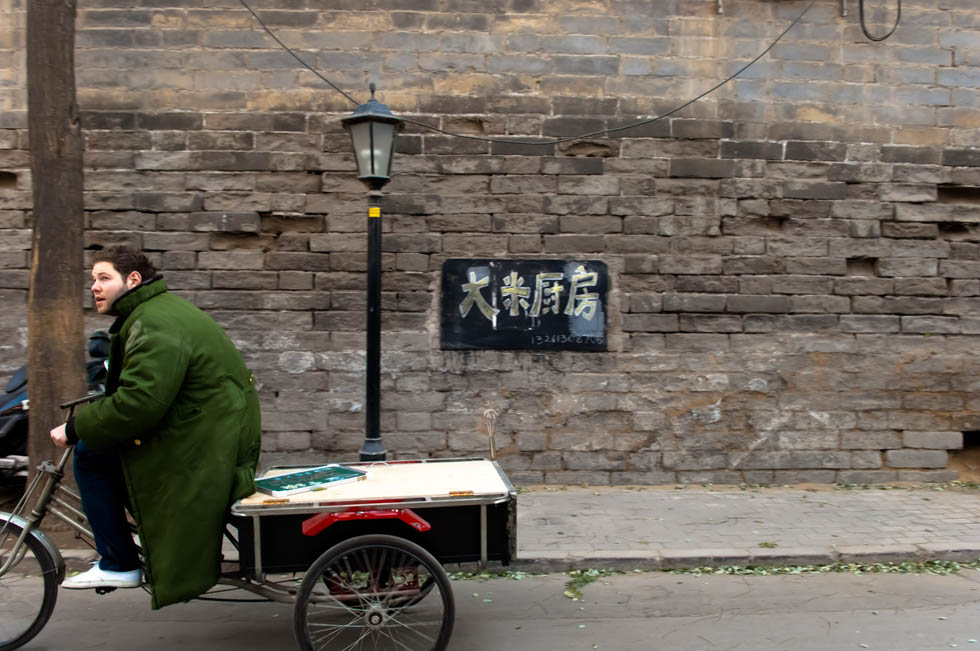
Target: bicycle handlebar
{"points": [[89, 398]]}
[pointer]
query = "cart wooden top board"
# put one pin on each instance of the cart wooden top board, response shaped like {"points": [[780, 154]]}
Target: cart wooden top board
{"points": [[414, 481]]}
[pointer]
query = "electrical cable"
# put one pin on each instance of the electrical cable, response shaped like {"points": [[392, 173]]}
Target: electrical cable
{"points": [[864, 26], [592, 134], [636, 124], [295, 56]]}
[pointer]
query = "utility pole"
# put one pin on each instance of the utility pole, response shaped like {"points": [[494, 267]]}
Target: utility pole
{"points": [[56, 357]]}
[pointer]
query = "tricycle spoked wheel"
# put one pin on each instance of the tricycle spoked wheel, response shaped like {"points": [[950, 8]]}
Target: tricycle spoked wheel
{"points": [[375, 592], [28, 589]]}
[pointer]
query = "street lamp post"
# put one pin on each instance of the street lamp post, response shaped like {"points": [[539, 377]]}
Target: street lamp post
{"points": [[373, 130]]}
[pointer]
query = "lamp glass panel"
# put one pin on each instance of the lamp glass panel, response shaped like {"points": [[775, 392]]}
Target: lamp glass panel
{"points": [[360, 134], [384, 138]]}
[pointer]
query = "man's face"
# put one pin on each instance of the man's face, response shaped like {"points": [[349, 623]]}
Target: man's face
{"points": [[108, 285]]}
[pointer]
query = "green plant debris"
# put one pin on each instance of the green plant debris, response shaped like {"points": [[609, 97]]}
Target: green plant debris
{"points": [[949, 485], [486, 575], [910, 567], [768, 545], [578, 579]]}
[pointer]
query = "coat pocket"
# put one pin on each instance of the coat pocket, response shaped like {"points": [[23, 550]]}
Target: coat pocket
{"points": [[234, 393], [187, 412]]}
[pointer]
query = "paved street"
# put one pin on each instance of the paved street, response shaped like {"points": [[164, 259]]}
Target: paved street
{"points": [[625, 613]]}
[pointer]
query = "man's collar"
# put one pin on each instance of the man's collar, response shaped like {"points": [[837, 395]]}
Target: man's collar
{"points": [[128, 302]]}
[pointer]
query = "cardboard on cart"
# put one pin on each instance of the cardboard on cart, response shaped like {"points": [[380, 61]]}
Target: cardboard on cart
{"points": [[401, 480]]}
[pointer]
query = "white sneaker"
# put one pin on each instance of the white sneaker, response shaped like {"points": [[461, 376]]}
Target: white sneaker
{"points": [[99, 578]]}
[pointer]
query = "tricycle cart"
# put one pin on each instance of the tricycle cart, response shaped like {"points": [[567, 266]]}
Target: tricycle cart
{"points": [[361, 562]]}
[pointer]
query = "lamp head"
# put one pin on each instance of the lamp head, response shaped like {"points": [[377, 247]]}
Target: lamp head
{"points": [[373, 130]]}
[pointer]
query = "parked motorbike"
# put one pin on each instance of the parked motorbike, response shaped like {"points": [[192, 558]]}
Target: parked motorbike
{"points": [[14, 407]]}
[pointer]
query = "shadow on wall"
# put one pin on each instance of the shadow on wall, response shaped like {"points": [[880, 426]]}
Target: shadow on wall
{"points": [[967, 460]]}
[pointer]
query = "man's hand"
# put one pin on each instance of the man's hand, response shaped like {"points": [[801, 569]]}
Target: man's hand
{"points": [[59, 437]]}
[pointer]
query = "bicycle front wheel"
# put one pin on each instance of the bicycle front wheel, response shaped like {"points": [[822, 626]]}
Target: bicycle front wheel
{"points": [[28, 589]]}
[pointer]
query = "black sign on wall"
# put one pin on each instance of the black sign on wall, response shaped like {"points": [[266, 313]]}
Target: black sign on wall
{"points": [[524, 304]]}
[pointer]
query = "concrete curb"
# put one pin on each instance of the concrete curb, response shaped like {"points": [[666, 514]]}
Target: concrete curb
{"points": [[675, 559]]}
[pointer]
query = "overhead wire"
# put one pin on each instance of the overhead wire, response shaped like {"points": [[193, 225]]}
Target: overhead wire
{"points": [[593, 134], [295, 56], [641, 123]]}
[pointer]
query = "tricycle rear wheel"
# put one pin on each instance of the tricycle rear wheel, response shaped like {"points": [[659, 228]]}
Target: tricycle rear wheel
{"points": [[28, 589], [375, 592]]}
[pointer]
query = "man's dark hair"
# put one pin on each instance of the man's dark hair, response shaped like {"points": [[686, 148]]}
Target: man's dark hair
{"points": [[126, 261]]}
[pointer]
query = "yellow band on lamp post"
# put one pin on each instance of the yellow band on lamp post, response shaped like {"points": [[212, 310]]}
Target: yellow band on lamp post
{"points": [[374, 211]]}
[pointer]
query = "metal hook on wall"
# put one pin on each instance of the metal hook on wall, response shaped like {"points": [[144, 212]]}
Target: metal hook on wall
{"points": [[490, 416]]}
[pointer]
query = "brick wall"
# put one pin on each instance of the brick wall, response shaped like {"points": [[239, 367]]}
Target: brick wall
{"points": [[795, 260]]}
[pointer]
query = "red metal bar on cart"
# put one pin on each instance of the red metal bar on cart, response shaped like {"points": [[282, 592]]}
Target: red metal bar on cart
{"points": [[316, 524]]}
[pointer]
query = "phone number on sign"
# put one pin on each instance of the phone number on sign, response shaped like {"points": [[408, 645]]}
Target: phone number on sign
{"points": [[537, 340]]}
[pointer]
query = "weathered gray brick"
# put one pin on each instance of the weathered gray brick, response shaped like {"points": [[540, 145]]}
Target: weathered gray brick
{"points": [[919, 192], [896, 305], [860, 172], [921, 286], [931, 324], [790, 284], [870, 440], [710, 323], [590, 224], [933, 440], [687, 461], [816, 266], [964, 287], [853, 286], [175, 241], [752, 149], [928, 475], [909, 230], [572, 244], [814, 190], [866, 476], [869, 323], [689, 264], [937, 212], [916, 458], [819, 304], [850, 209], [962, 157], [688, 128], [709, 168], [959, 269], [751, 188], [758, 304], [758, 323], [752, 264], [650, 323], [892, 267], [694, 303], [802, 150]]}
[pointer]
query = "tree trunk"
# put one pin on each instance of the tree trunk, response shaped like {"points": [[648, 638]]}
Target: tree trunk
{"points": [[56, 354]]}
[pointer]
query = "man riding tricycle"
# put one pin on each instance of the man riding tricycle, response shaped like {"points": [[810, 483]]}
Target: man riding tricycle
{"points": [[175, 443]]}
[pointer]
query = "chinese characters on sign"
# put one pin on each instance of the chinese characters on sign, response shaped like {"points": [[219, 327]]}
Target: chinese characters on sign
{"points": [[524, 304]]}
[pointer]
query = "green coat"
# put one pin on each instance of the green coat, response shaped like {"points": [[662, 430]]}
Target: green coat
{"points": [[182, 410]]}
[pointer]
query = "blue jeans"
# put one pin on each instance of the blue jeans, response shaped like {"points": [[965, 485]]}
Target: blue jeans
{"points": [[101, 483]]}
